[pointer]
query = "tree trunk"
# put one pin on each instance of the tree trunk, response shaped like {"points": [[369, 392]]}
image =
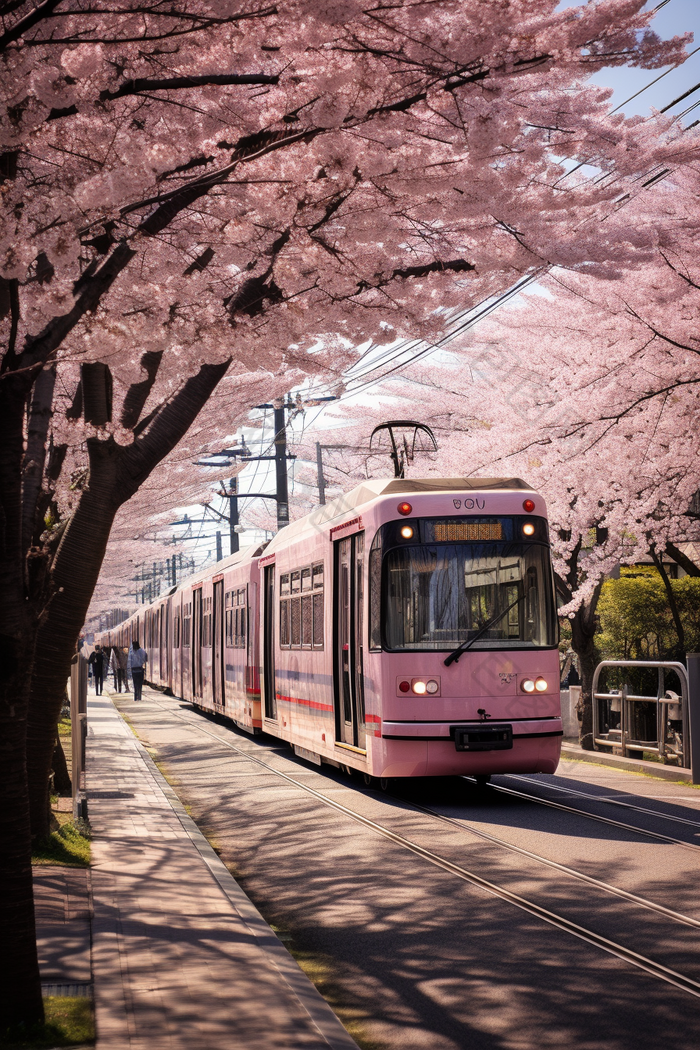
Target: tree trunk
{"points": [[583, 629], [74, 574], [20, 986], [61, 777], [116, 472]]}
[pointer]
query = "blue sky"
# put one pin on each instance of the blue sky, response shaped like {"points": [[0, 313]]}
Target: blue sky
{"points": [[675, 17]]}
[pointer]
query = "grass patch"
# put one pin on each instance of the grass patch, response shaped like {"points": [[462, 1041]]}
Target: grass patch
{"points": [[68, 1022], [319, 969], [64, 726], [68, 845]]}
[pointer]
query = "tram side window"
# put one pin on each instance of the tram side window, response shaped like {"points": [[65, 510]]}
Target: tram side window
{"points": [[228, 619], [186, 624], [206, 622], [375, 593], [284, 624], [176, 631], [301, 608], [239, 635], [236, 618]]}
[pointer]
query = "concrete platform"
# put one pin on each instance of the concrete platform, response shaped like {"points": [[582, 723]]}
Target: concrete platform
{"points": [[180, 956], [633, 765]]}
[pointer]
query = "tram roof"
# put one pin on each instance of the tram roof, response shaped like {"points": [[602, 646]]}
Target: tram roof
{"points": [[247, 554], [371, 489]]}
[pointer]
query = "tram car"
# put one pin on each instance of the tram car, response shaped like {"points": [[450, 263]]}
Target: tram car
{"points": [[406, 629]]}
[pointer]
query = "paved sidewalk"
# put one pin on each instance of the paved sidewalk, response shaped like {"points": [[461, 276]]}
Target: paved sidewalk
{"points": [[62, 909], [181, 958]]}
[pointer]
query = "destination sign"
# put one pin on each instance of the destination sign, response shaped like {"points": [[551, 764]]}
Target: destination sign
{"points": [[467, 531]]}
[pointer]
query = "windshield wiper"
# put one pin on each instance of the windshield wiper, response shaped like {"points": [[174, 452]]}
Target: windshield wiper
{"points": [[454, 656]]}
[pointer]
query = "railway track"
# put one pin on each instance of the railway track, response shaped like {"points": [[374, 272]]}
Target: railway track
{"points": [[252, 752], [608, 801], [563, 808]]}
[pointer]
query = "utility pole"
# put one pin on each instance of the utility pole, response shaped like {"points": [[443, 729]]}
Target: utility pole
{"points": [[319, 472], [233, 515], [280, 408], [280, 423], [231, 493], [219, 555]]}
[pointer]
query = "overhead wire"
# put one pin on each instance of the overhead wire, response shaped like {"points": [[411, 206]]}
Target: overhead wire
{"points": [[394, 352], [504, 297], [489, 305]]}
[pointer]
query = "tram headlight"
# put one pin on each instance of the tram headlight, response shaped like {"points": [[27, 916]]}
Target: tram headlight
{"points": [[528, 529], [541, 685], [420, 688], [432, 687], [407, 532], [527, 685]]}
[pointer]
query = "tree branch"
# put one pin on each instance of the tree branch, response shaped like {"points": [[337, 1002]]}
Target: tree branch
{"points": [[671, 598], [166, 428], [139, 84], [688, 566], [20, 27], [38, 349], [40, 414], [137, 394]]}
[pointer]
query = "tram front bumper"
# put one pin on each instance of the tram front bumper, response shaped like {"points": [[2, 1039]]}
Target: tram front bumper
{"points": [[433, 748], [444, 731]]}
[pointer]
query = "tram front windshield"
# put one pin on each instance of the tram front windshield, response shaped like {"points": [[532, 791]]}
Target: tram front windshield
{"points": [[436, 597]]}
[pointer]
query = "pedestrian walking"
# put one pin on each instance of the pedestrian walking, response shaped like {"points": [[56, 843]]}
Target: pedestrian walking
{"points": [[96, 660], [106, 660], [118, 664], [136, 663]]}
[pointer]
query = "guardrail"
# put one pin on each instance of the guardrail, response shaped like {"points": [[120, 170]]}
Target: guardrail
{"points": [[672, 740]]}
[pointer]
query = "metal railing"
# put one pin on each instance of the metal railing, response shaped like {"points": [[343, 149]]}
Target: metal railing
{"points": [[672, 741]]}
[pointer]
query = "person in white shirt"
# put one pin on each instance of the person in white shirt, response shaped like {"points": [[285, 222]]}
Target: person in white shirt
{"points": [[136, 663]]}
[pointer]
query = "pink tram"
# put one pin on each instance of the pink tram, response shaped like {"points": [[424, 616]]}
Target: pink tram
{"points": [[405, 629]]}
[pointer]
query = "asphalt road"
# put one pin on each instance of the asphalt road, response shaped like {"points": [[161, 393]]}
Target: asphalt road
{"points": [[419, 955]]}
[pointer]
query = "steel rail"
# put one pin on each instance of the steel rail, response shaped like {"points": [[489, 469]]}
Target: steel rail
{"points": [[642, 902], [590, 816], [611, 802], [633, 958]]}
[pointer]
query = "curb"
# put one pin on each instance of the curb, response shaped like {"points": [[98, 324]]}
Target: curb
{"points": [[310, 999], [631, 765]]}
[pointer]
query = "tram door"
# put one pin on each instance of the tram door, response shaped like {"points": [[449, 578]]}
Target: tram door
{"points": [[269, 642], [348, 641], [217, 652], [163, 642], [197, 642]]}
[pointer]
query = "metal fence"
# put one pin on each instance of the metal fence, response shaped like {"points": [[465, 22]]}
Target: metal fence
{"points": [[660, 727]]}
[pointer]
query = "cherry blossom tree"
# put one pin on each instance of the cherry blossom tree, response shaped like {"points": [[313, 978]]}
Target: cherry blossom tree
{"points": [[588, 388], [195, 194]]}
